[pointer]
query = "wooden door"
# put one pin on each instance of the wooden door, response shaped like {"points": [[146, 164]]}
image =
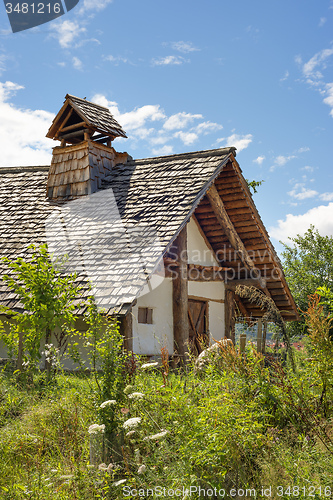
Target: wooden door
{"points": [[198, 325]]}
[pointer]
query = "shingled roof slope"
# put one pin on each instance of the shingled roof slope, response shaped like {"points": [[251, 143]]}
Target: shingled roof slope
{"points": [[154, 199]]}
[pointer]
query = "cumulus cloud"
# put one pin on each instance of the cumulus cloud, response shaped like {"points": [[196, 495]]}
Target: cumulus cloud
{"points": [[280, 161], [239, 141], [180, 120], [326, 196], [259, 160], [165, 150], [169, 60], [22, 133], [187, 137], [300, 192], [321, 217], [66, 32]]}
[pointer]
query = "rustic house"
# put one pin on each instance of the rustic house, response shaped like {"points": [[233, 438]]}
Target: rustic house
{"points": [[164, 240]]}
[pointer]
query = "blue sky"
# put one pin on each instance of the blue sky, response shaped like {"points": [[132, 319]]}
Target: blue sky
{"points": [[185, 76]]}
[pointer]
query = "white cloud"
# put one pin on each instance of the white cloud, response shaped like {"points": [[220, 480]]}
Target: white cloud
{"points": [[180, 120], [321, 217], [313, 73], [91, 5], [187, 137], [280, 161], [133, 119], [207, 127], [22, 133], [169, 60], [303, 150], [259, 160], [181, 46], [66, 31], [326, 196], [300, 192], [315, 61], [77, 63], [285, 76], [307, 168], [240, 142], [322, 21], [116, 59], [165, 150]]}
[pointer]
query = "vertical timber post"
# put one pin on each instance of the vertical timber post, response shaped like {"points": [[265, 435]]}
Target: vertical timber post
{"points": [[264, 335], [259, 335], [180, 297], [126, 329], [229, 314]]}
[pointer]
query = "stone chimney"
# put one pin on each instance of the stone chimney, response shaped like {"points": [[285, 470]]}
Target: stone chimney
{"points": [[78, 168]]}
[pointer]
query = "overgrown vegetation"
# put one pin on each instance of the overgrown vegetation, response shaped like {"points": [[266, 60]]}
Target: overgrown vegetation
{"points": [[244, 424], [128, 429]]}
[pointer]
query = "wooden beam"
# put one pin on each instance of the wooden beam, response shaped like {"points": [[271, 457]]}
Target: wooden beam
{"points": [[72, 127], [126, 329], [63, 122], [75, 134], [271, 249], [241, 307], [229, 314], [180, 297], [225, 222]]}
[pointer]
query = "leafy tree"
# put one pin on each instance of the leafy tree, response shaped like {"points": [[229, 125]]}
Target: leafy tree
{"points": [[48, 299], [308, 264]]}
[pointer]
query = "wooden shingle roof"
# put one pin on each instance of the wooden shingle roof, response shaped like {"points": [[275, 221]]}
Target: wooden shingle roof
{"points": [[77, 115], [125, 227]]}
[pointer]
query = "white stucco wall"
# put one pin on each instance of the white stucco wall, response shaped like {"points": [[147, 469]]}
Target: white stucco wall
{"points": [[198, 252], [148, 339]]}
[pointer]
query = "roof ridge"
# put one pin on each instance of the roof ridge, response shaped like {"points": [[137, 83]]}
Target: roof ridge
{"points": [[70, 96], [191, 154], [36, 168]]}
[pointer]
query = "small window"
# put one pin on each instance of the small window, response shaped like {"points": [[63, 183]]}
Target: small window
{"points": [[145, 315]]}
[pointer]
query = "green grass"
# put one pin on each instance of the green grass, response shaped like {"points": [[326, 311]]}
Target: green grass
{"points": [[234, 427]]}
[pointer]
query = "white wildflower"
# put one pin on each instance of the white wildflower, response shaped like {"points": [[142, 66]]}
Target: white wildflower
{"points": [[118, 483], [136, 395], [146, 366], [102, 467], [110, 402], [160, 435], [142, 469], [130, 433], [96, 428], [131, 423], [110, 467]]}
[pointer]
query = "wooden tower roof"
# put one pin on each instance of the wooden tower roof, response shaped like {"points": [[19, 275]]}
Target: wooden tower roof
{"points": [[79, 118]]}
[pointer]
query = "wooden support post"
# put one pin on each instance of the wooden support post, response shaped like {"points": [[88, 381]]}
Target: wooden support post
{"points": [[229, 314], [259, 335], [264, 337], [242, 343], [126, 329], [180, 297]]}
